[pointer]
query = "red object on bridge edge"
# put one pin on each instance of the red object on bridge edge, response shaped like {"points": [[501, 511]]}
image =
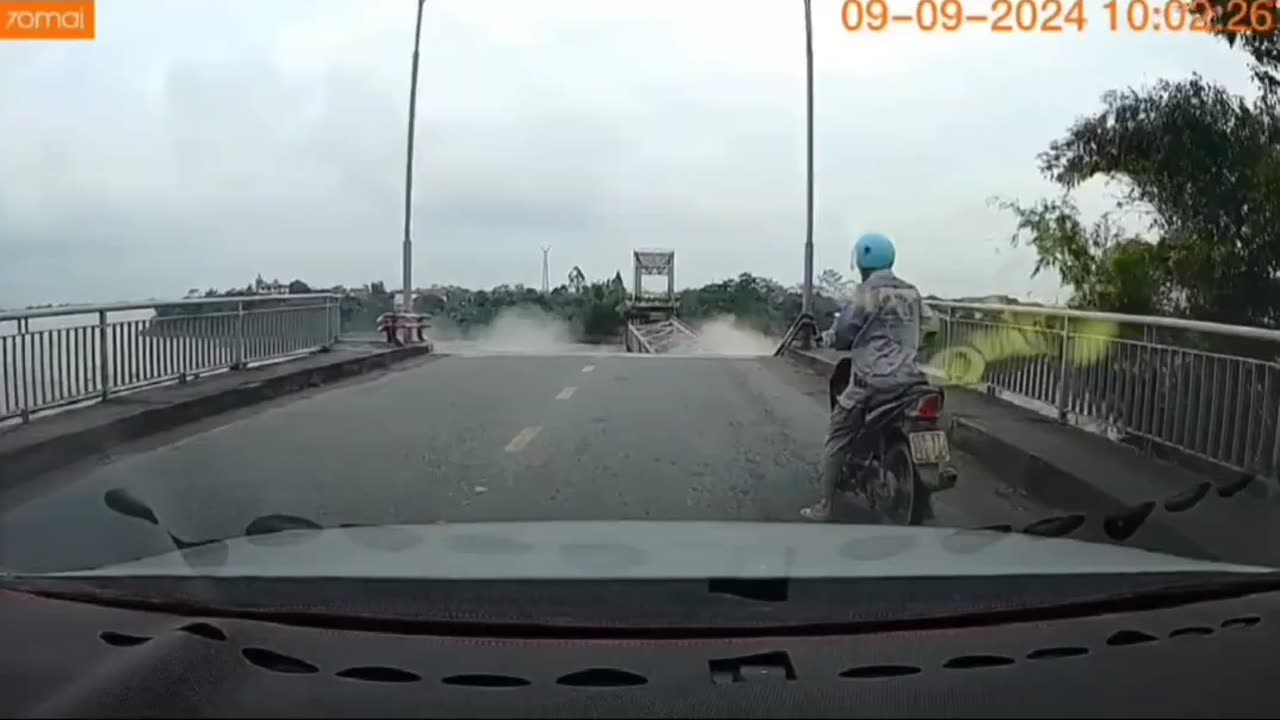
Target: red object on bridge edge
{"points": [[392, 323]]}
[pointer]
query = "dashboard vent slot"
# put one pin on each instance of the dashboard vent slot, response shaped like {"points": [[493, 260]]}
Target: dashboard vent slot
{"points": [[1129, 637], [601, 678], [204, 630], [877, 672], [116, 639], [482, 680], [276, 662], [977, 662], [1057, 653], [379, 674], [771, 666]]}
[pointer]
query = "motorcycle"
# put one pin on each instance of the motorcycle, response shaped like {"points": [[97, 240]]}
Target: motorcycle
{"points": [[902, 457]]}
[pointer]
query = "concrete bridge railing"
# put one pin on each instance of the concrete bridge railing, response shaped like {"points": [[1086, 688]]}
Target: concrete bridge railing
{"points": [[1207, 390], [54, 357]]}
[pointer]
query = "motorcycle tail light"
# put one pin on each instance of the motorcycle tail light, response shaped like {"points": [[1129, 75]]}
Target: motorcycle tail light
{"points": [[929, 407]]}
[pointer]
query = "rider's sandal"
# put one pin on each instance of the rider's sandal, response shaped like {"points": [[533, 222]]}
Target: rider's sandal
{"points": [[816, 514]]}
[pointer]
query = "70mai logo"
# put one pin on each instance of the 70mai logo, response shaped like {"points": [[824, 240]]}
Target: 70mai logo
{"points": [[47, 20]]}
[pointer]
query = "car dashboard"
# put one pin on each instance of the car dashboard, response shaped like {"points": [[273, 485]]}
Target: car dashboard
{"points": [[73, 659]]}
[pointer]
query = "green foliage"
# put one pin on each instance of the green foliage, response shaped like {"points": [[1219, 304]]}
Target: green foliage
{"points": [[1203, 165], [1229, 17], [759, 303], [833, 284], [360, 309], [595, 312], [1106, 268]]}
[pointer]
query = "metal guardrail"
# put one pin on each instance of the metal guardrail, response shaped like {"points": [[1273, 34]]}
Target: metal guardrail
{"points": [[1208, 389], [803, 323], [53, 357]]}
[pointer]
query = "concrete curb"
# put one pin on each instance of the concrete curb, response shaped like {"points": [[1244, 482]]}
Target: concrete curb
{"points": [[1054, 486], [37, 458], [1041, 479]]}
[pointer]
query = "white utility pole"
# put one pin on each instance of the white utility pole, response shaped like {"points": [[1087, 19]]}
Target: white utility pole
{"points": [[806, 301], [407, 260], [546, 274]]}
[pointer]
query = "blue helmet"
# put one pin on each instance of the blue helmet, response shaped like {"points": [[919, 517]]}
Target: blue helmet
{"points": [[872, 251]]}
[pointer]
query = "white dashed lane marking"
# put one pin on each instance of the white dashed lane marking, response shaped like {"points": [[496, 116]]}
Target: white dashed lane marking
{"points": [[566, 393], [588, 368], [523, 438]]}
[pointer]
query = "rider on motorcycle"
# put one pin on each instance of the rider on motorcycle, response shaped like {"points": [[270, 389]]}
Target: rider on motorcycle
{"points": [[881, 330]]}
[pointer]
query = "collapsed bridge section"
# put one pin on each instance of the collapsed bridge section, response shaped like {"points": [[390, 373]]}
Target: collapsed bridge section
{"points": [[652, 326]]}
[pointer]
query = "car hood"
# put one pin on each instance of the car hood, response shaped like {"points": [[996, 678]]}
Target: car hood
{"points": [[648, 550]]}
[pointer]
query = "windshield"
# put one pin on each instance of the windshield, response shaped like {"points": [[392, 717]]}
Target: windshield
{"points": [[476, 289]]}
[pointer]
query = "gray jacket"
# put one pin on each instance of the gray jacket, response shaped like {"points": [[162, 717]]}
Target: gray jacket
{"points": [[881, 330]]}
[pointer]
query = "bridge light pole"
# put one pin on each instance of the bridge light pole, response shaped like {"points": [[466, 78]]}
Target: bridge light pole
{"points": [[407, 260], [806, 302]]}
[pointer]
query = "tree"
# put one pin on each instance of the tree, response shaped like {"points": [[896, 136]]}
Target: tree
{"points": [[834, 285], [1254, 32], [577, 280], [297, 287], [1203, 166], [429, 303], [759, 303], [602, 315], [1106, 269]]}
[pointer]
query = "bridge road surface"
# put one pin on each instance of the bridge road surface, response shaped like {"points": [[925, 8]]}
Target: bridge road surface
{"points": [[474, 437]]}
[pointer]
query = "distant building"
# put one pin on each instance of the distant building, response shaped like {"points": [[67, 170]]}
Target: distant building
{"points": [[275, 287]]}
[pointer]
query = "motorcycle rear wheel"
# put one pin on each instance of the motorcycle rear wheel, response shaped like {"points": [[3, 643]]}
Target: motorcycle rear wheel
{"points": [[899, 495]]}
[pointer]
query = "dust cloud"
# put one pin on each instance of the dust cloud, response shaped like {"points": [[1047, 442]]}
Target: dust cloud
{"points": [[532, 330], [523, 329], [725, 335], [516, 330]]}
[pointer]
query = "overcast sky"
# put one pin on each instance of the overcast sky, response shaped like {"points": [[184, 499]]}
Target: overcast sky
{"points": [[202, 143]]}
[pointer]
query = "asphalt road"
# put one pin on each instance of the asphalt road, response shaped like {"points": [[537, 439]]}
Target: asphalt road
{"points": [[470, 437]]}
